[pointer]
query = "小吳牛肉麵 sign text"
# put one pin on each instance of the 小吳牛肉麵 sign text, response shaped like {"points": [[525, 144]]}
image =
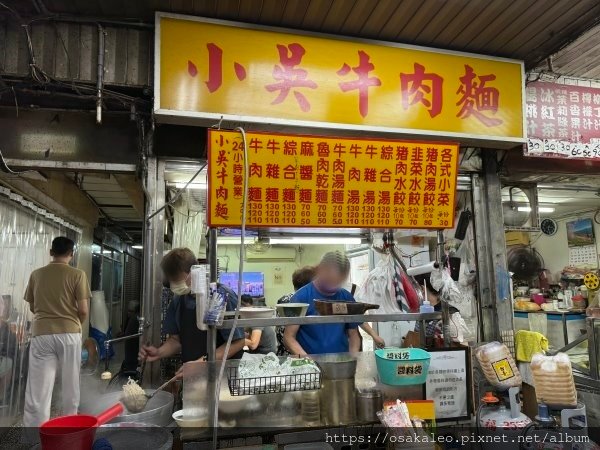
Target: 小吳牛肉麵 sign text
{"points": [[212, 70]]}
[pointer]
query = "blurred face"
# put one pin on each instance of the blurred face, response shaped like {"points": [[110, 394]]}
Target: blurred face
{"points": [[180, 284], [329, 277]]}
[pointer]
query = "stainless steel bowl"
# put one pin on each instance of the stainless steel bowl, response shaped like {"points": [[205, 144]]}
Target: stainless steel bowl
{"points": [[141, 436], [157, 412]]}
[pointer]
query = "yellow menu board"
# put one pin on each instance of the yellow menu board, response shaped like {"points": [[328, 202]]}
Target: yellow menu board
{"points": [[316, 181]]}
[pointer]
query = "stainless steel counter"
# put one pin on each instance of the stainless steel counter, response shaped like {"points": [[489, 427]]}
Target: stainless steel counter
{"points": [[314, 320]]}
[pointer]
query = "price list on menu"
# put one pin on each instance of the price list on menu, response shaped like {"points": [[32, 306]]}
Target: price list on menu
{"points": [[314, 181]]}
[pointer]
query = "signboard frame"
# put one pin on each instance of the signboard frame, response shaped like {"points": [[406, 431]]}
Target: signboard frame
{"points": [[561, 147], [468, 381], [210, 222], [278, 124]]}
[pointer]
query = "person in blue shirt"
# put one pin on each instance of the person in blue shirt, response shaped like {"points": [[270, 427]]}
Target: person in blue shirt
{"points": [[331, 274], [180, 320]]}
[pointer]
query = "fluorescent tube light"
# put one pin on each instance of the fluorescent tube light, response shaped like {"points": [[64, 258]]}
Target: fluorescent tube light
{"points": [[233, 240], [181, 185], [137, 247], [542, 209], [315, 240]]}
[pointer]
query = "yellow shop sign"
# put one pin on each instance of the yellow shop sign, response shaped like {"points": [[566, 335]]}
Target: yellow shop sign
{"points": [[211, 70]]}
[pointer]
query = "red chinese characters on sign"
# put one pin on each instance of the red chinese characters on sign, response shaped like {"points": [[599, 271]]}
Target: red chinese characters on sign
{"points": [[477, 98], [215, 68], [422, 87], [363, 81], [289, 77]]}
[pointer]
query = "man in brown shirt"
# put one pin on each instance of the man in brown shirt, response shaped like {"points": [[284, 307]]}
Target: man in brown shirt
{"points": [[58, 296]]}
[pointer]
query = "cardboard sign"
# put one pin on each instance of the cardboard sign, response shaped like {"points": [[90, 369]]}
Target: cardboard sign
{"points": [[447, 383]]}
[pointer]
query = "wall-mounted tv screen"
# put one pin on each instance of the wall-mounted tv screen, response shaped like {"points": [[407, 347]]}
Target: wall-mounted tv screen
{"points": [[253, 283]]}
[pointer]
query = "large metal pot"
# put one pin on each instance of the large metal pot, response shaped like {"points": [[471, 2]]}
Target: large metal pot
{"points": [[335, 367], [157, 412], [140, 436]]}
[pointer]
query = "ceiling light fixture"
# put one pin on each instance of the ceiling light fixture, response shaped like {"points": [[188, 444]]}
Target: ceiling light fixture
{"points": [[137, 247], [308, 240], [542, 209], [231, 240], [198, 186]]}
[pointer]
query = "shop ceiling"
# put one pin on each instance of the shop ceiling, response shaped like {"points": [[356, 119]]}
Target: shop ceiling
{"points": [[530, 30], [581, 58]]}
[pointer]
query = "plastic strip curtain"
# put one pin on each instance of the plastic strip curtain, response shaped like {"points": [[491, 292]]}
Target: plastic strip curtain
{"points": [[188, 215], [25, 240]]}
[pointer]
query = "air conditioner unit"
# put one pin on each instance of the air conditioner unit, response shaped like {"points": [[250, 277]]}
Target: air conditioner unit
{"points": [[273, 254]]}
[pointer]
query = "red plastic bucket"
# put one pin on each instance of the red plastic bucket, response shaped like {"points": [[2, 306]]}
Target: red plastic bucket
{"points": [[75, 432]]}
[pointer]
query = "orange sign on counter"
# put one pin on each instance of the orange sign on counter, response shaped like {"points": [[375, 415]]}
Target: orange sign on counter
{"points": [[211, 70], [315, 181]]}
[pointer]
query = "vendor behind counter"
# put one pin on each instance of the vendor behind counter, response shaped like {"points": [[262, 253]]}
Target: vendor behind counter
{"points": [[331, 273], [261, 340], [180, 320]]}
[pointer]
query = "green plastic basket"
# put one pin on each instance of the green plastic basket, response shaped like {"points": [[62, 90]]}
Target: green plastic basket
{"points": [[402, 366]]}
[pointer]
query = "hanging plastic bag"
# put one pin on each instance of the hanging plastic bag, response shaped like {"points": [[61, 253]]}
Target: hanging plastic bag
{"points": [[378, 288], [446, 286], [414, 297]]}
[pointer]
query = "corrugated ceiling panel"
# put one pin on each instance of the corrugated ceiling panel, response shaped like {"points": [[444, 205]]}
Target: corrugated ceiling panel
{"points": [[250, 10], [529, 23], [70, 51], [271, 12], [294, 13], [390, 29], [420, 20], [226, 9], [585, 48], [339, 11], [530, 29], [382, 12], [357, 18], [316, 13], [493, 19], [469, 15], [440, 21]]}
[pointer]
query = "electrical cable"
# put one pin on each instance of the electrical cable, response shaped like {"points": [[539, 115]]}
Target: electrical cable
{"points": [[9, 170], [178, 194], [239, 301]]}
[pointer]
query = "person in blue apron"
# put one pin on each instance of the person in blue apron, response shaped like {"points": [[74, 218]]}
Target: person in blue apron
{"points": [[180, 320]]}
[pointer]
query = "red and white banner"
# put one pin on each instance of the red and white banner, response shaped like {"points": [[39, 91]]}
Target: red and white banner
{"points": [[563, 121]]}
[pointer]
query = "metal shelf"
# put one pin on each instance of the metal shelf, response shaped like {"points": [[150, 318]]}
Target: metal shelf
{"points": [[314, 320]]}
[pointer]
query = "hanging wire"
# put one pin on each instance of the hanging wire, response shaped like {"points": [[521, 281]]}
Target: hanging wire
{"points": [[240, 280], [11, 171], [177, 194]]}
